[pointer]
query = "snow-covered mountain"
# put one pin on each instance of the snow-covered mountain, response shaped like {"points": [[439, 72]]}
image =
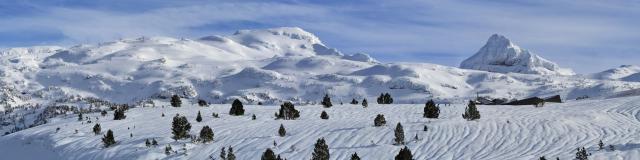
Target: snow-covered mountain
{"points": [[501, 55], [624, 73], [274, 65]]}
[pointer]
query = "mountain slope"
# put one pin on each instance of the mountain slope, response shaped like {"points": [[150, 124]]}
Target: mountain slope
{"points": [[500, 55]]}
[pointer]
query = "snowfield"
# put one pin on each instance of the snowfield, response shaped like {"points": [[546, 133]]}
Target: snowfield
{"points": [[503, 132]]}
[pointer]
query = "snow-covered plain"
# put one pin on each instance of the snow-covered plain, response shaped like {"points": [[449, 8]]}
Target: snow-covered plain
{"points": [[503, 132]]}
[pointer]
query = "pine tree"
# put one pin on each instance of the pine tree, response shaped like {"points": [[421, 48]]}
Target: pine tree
{"points": [[236, 108], [199, 117], [108, 139], [431, 110], [175, 101], [202, 103], [542, 158], [223, 154], [600, 145], [180, 127], [425, 128], [268, 155], [118, 114], [404, 154], [154, 142], [282, 132], [97, 129], [354, 101], [471, 112], [253, 117], [147, 143], [582, 154], [206, 134], [380, 99], [231, 155], [321, 150], [399, 133], [379, 120], [355, 156], [80, 118], [326, 101], [324, 115], [287, 112], [168, 149], [385, 98], [364, 103]]}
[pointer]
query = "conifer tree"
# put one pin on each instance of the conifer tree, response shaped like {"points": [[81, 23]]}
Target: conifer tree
{"points": [[253, 117], [206, 134], [600, 145], [236, 108], [364, 103], [404, 154], [175, 101], [324, 115], [287, 112], [231, 155], [199, 117], [223, 154], [97, 129], [168, 149], [380, 99], [543, 158], [385, 98], [80, 118], [108, 139], [355, 156], [268, 155], [399, 133], [154, 142], [471, 112], [425, 128], [326, 101], [202, 103], [582, 154], [147, 143], [320, 150], [431, 110], [354, 101], [282, 132], [379, 120], [180, 127], [118, 114]]}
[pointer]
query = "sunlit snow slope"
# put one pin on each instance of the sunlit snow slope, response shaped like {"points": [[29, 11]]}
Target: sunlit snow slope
{"points": [[503, 132]]}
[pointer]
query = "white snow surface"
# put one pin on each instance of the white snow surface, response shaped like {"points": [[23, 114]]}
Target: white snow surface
{"points": [[501, 55], [503, 132]]}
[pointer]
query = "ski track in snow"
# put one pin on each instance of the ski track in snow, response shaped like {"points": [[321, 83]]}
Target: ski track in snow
{"points": [[555, 130]]}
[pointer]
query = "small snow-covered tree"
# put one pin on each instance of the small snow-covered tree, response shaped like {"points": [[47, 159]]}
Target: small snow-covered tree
{"points": [[199, 117], [355, 156], [118, 114], [324, 115], [180, 127], [281, 131], [206, 134], [404, 154], [431, 110], [582, 154], [97, 129], [600, 145], [326, 101], [202, 103], [268, 155], [175, 101], [399, 134], [223, 154], [471, 112], [80, 118], [287, 112], [379, 120], [354, 101], [364, 103], [168, 149], [320, 150], [236, 108], [231, 155], [108, 139]]}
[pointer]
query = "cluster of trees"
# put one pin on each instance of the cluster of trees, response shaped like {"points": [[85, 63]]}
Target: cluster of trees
{"points": [[118, 114], [385, 98]]}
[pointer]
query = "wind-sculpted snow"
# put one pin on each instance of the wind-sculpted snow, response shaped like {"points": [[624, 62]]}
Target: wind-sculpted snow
{"points": [[503, 132]]}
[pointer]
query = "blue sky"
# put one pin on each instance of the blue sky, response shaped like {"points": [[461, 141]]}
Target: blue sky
{"points": [[587, 36]]}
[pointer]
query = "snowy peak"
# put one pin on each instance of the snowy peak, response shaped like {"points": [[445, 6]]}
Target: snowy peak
{"points": [[624, 72], [501, 55]]}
